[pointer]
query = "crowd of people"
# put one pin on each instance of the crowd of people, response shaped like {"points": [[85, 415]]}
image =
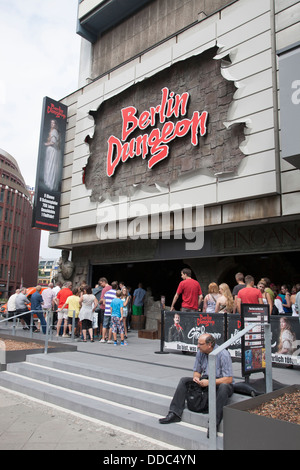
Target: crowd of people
{"points": [[101, 312], [105, 310], [221, 299]]}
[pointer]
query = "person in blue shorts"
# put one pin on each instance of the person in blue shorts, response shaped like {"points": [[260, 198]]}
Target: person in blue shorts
{"points": [[116, 308]]}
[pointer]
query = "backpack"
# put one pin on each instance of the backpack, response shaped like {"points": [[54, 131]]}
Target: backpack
{"points": [[197, 397]]}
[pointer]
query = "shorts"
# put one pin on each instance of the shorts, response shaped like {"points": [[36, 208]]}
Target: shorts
{"points": [[70, 321], [100, 316], [137, 310], [117, 325], [62, 314], [106, 321]]}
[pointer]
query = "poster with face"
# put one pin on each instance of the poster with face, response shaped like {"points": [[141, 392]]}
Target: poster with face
{"points": [[182, 329], [285, 340], [50, 165]]}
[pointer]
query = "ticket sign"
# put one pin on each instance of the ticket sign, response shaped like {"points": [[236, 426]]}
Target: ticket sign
{"points": [[253, 343]]}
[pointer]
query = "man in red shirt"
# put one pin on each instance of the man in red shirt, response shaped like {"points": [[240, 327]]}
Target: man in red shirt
{"points": [[62, 314], [190, 291], [249, 295]]}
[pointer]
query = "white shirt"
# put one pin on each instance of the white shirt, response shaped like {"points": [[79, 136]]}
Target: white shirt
{"points": [[11, 304]]}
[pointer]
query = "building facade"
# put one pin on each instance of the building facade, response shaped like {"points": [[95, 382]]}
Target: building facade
{"points": [[19, 243], [176, 127], [48, 269]]}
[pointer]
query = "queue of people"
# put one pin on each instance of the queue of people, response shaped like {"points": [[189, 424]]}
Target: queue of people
{"points": [[93, 312], [221, 299], [101, 312], [104, 312]]}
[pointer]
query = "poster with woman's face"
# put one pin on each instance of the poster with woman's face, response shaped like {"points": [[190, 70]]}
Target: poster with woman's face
{"points": [[50, 165], [285, 339]]}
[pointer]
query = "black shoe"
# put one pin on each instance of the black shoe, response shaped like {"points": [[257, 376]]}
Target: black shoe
{"points": [[170, 418]]}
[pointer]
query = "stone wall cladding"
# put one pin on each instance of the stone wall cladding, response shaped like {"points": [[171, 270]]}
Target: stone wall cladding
{"points": [[150, 25], [218, 150]]}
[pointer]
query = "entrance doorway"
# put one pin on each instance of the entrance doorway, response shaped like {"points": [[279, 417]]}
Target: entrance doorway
{"points": [[162, 277], [280, 268]]}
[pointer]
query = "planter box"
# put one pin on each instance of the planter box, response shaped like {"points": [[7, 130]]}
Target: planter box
{"points": [[19, 355], [247, 431]]}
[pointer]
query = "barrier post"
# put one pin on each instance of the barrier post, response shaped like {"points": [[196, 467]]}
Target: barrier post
{"points": [[268, 356], [73, 326], [162, 334], [31, 324]]}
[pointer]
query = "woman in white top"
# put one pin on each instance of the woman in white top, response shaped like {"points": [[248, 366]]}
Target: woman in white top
{"points": [[265, 295], [210, 300], [88, 304], [278, 305], [287, 337]]}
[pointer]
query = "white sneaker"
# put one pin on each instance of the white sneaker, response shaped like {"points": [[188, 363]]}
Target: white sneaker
{"points": [[102, 341], [110, 341]]}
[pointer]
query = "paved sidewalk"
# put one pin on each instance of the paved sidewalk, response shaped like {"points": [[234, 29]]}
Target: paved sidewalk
{"points": [[32, 425], [28, 424]]}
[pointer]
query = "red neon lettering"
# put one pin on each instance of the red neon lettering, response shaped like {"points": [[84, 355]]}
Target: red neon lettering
{"points": [[158, 151], [130, 122], [162, 115], [111, 164], [144, 120], [157, 141], [128, 150], [198, 121], [178, 105], [142, 146]]}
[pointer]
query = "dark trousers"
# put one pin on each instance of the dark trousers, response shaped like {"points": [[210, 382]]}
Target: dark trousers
{"points": [[224, 391], [26, 317], [40, 315]]}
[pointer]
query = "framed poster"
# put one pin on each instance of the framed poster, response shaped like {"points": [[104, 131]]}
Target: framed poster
{"points": [[253, 342], [285, 340], [182, 329]]}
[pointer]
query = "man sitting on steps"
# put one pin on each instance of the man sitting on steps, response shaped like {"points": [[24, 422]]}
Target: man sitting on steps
{"points": [[224, 380]]}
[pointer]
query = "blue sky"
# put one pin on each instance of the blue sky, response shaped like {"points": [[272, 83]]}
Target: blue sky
{"points": [[39, 56]]}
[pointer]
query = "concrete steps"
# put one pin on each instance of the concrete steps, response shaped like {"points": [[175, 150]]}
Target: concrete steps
{"points": [[122, 398]]}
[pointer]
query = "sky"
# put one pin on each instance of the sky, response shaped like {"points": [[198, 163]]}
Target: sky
{"points": [[39, 56]]}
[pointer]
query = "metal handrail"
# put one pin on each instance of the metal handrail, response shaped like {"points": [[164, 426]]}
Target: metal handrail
{"points": [[49, 317], [212, 395]]}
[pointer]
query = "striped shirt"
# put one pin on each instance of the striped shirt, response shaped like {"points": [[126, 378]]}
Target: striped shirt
{"points": [[108, 297]]}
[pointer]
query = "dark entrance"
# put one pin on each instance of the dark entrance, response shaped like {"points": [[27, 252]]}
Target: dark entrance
{"points": [[162, 277], [280, 268]]}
